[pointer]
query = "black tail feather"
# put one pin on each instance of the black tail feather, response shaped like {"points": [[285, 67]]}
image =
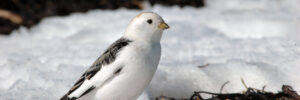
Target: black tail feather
{"points": [[65, 97]]}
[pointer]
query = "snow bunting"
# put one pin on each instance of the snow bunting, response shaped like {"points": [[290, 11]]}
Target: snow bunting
{"points": [[126, 68]]}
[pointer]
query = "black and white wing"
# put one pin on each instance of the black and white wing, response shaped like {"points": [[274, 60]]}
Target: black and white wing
{"points": [[106, 58]]}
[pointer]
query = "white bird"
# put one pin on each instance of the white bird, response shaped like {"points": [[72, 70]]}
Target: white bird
{"points": [[126, 68]]}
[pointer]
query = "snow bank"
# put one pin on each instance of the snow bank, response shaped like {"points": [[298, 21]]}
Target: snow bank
{"points": [[256, 40]]}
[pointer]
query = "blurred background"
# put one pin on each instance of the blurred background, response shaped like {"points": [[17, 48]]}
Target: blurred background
{"points": [[14, 13], [46, 45]]}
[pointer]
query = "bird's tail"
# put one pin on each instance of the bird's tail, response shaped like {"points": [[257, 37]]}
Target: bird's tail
{"points": [[65, 97]]}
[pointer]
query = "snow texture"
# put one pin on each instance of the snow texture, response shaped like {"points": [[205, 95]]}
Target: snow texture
{"points": [[257, 40]]}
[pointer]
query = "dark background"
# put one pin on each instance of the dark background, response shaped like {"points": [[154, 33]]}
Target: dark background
{"points": [[14, 13]]}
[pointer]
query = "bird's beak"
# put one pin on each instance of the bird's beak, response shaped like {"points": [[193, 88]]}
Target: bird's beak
{"points": [[163, 26]]}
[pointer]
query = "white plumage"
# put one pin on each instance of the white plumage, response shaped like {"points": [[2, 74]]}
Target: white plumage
{"points": [[126, 68]]}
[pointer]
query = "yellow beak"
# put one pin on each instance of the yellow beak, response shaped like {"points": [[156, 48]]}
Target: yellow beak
{"points": [[163, 26]]}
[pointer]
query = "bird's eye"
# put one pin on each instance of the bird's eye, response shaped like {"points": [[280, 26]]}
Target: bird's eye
{"points": [[149, 21]]}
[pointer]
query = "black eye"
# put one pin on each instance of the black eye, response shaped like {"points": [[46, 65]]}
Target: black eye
{"points": [[149, 21]]}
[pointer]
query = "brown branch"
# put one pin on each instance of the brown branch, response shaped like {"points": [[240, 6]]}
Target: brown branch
{"points": [[223, 86], [15, 18], [289, 90]]}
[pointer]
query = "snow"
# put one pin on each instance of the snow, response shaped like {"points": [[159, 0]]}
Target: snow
{"points": [[256, 40]]}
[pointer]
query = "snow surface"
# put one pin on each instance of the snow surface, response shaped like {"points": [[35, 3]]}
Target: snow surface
{"points": [[257, 40]]}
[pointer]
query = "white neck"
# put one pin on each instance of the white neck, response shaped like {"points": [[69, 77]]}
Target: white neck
{"points": [[147, 36]]}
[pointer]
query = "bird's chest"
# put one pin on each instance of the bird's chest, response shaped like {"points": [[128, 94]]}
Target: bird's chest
{"points": [[138, 68], [146, 55]]}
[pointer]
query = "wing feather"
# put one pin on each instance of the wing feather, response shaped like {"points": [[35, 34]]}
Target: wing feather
{"points": [[106, 58]]}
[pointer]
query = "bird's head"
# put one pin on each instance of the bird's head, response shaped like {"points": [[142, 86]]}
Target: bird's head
{"points": [[147, 26]]}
